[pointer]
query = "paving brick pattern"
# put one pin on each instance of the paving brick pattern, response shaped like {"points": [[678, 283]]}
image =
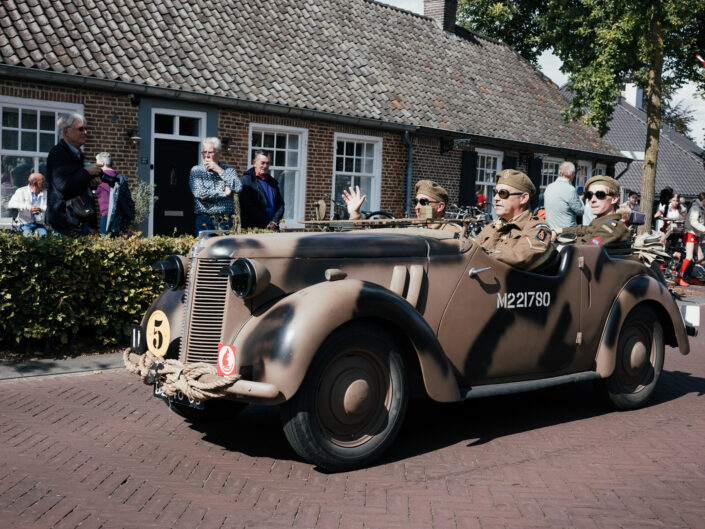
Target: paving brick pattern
{"points": [[97, 451]]}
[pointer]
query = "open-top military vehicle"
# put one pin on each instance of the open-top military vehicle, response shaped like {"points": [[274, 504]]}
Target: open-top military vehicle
{"points": [[339, 328]]}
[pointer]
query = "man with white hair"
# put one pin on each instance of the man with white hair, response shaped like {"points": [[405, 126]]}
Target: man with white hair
{"points": [[213, 185], [68, 178], [561, 200]]}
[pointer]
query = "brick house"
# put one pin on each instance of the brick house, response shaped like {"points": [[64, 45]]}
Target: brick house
{"points": [[339, 91]]}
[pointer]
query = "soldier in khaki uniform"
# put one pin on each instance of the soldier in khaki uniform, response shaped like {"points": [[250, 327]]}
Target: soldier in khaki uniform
{"points": [[430, 202], [607, 228], [516, 238]]}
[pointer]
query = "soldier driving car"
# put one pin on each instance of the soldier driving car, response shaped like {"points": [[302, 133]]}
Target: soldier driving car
{"points": [[516, 238]]}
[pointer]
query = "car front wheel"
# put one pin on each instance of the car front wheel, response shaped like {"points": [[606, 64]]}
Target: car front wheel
{"points": [[352, 401], [639, 361]]}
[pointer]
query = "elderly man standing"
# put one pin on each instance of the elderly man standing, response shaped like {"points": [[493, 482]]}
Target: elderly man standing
{"points": [[516, 238], [68, 177], [561, 200], [213, 185], [30, 202]]}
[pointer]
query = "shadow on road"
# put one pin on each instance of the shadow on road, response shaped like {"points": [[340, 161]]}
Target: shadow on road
{"points": [[430, 426]]}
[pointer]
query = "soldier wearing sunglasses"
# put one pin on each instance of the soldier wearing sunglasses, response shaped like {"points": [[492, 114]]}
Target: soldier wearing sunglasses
{"points": [[607, 228], [516, 238], [428, 193]]}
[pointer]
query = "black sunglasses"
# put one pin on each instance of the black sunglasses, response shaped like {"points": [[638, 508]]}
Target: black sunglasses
{"points": [[600, 195], [423, 201], [503, 193]]}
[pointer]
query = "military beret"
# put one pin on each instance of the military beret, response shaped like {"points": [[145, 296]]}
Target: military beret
{"points": [[431, 189], [610, 182], [517, 180]]}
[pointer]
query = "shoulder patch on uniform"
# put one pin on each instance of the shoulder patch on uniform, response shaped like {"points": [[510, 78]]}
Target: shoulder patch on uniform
{"points": [[611, 223], [596, 241], [542, 235]]}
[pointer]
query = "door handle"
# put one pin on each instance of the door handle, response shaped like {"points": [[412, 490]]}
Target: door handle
{"points": [[474, 272]]}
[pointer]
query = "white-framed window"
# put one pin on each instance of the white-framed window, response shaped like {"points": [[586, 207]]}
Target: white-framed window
{"points": [[358, 162], [600, 169], [172, 124], [583, 173], [287, 147], [549, 170], [27, 134]]}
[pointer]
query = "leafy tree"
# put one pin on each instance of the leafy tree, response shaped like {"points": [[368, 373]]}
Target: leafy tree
{"points": [[603, 44]]}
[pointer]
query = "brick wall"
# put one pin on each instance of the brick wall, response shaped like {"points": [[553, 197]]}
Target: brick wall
{"points": [[108, 116], [430, 164], [236, 124]]}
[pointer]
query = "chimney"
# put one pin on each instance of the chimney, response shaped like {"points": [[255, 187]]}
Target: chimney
{"points": [[633, 95], [442, 11]]}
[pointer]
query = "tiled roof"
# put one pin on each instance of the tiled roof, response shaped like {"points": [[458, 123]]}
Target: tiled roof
{"points": [[352, 57], [680, 164]]}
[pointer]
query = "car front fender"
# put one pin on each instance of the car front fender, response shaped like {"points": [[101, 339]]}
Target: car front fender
{"points": [[281, 341], [638, 290]]}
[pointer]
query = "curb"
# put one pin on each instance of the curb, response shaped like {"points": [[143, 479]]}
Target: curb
{"points": [[42, 368]]}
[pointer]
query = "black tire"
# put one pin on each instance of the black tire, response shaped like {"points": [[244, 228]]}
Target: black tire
{"points": [[213, 410], [352, 401], [639, 361]]}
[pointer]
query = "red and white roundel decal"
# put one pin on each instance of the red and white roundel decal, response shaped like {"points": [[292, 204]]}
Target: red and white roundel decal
{"points": [[226, 360]]}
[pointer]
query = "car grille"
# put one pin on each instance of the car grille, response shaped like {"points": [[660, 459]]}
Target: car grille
{"points": [[204, 322]]}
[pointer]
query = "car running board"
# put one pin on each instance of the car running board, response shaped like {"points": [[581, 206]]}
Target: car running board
{"points": [[490, 390]]}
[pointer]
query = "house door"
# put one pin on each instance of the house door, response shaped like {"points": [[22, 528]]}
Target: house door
{"points": [[173, 210]]}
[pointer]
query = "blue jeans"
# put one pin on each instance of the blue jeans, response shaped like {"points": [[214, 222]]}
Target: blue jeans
{"points": [[104, 225], [30, 229], [207, 222]]}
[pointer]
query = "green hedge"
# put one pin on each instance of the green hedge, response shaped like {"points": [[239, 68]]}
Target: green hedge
{"points": [[61, 290]]}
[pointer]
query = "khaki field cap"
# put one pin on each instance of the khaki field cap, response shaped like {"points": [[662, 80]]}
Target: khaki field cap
{"points": [[517, 180], [605, 181], [431, 189]]}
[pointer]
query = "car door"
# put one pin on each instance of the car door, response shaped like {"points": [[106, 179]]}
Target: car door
{"points": [[504, 323]]}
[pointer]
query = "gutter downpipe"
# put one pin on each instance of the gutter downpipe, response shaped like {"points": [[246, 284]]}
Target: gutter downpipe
{"points": [[409, 172], [625, 170]]}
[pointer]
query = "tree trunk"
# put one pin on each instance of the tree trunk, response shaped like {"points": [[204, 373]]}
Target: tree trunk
{"points": [[653, 116]]}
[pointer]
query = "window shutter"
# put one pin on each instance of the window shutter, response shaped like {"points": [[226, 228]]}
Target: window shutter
{"points": [[468, 171], [610, 171], [509, 162], [535, 166]]}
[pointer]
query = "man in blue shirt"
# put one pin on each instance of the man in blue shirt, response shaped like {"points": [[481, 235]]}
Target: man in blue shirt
{"points": [[261, 202], [561, 200], [213, 185]]}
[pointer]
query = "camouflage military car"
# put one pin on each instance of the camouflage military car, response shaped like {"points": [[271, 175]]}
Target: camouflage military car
{"points": [[338, 329]]}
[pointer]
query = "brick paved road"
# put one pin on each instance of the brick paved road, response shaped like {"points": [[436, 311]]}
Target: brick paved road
{"points": [[98, 451]]}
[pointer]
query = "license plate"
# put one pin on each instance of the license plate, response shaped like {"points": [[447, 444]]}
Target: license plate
{"points": [[179, 398]]}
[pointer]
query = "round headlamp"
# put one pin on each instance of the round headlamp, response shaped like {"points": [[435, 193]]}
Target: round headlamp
{"points": [[174, 270], [247, 278]]}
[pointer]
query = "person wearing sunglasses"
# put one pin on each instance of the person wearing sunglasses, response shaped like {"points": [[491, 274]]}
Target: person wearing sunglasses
{"points": [[607, 228], [428, 193], [516, 238], [68, 176]]}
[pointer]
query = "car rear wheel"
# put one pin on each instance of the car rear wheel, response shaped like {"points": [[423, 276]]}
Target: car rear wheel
{"points": [[352, 401], [213, 410], [639, 362]]}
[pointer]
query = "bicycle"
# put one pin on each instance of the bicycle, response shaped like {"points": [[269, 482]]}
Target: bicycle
{"points": [[475, 218]]}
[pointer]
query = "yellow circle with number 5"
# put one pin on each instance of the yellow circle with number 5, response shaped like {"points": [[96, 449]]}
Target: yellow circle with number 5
{"points": [[158, 333]]}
